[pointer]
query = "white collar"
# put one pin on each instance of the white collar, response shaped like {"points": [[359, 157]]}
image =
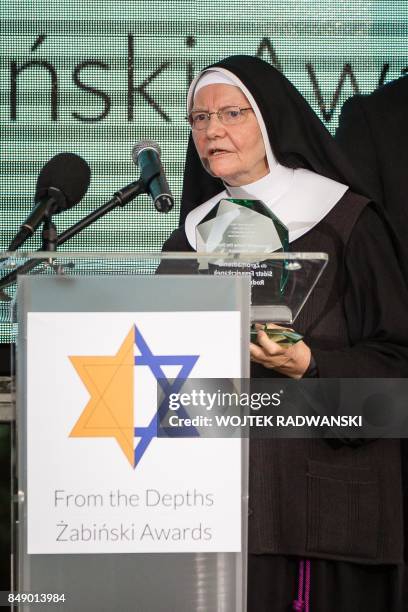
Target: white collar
{"points": [[299, 198], [279, 177]]}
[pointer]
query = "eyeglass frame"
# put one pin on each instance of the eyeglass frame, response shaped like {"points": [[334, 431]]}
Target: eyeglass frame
{"points": [[219, 114]]}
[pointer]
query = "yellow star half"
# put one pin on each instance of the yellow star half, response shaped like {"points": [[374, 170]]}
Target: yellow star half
{"points": [[109, 412]]}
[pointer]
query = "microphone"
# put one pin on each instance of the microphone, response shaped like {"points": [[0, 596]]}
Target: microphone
{"points": [[62, 183], [146, 155]]}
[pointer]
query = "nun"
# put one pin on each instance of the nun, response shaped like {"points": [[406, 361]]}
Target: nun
{"points": [[325, 526]]}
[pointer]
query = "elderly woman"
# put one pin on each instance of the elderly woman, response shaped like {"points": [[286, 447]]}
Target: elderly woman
{"points": [[325, 521]]}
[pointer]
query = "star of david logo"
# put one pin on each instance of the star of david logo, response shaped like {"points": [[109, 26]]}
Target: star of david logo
{"points": [[110, 382]]}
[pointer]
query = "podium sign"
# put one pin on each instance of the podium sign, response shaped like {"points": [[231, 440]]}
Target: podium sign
{"points": [[98, 478]]}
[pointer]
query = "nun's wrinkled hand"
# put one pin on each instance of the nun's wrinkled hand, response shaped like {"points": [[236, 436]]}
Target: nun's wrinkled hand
{"points": [[292, 361]]}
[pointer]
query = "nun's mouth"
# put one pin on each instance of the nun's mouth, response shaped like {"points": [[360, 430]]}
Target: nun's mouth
{"points": [[216, 152]]}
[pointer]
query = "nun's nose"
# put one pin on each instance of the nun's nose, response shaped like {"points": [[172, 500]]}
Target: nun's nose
{"points": [[215, 126]]}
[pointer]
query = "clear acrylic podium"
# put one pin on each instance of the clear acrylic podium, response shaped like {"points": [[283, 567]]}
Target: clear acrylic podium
{"points": [[92, 287]]}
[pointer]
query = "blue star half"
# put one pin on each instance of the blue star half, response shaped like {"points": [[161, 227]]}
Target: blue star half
{"points": [[155, 363]]}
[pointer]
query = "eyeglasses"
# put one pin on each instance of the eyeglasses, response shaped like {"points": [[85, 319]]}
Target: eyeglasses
{"points": [[230, 115]]}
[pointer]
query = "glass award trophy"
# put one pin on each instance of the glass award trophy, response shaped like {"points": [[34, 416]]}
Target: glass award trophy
{"points": [[249, 233], [241, 226]]}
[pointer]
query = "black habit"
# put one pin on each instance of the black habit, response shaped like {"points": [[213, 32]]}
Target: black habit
{"points": [[339, 508]]}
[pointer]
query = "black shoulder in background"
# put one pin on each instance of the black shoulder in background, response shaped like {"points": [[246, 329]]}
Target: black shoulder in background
{"points": [[394, 93], [393, 90]]}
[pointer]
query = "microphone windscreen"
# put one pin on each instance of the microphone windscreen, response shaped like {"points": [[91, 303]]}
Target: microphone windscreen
{"points": [[141, 146], [67, 172]]}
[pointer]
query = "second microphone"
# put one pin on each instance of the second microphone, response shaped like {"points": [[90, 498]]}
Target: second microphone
{"points": [[146, 155]]}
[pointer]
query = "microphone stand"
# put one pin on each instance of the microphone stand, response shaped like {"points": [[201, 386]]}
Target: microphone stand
{"points": [[120, 198], [49, 235]]}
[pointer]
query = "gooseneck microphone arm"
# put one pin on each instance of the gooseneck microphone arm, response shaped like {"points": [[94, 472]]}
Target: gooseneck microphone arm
{"points": [[120, 198]]}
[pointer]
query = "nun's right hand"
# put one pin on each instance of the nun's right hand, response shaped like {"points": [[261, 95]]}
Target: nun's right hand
{"points": [[292, 361]]}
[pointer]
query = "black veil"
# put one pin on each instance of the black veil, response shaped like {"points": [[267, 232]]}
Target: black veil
{"points": [[297, 136]]}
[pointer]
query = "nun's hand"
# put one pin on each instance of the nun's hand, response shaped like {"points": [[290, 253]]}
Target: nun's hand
{"points": [[292, 361]]}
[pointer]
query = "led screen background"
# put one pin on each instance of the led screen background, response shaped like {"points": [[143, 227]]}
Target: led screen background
{"points": [[95, 77]]}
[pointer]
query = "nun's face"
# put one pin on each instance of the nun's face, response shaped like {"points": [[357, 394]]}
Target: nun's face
{"points": [[234, 153]]}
